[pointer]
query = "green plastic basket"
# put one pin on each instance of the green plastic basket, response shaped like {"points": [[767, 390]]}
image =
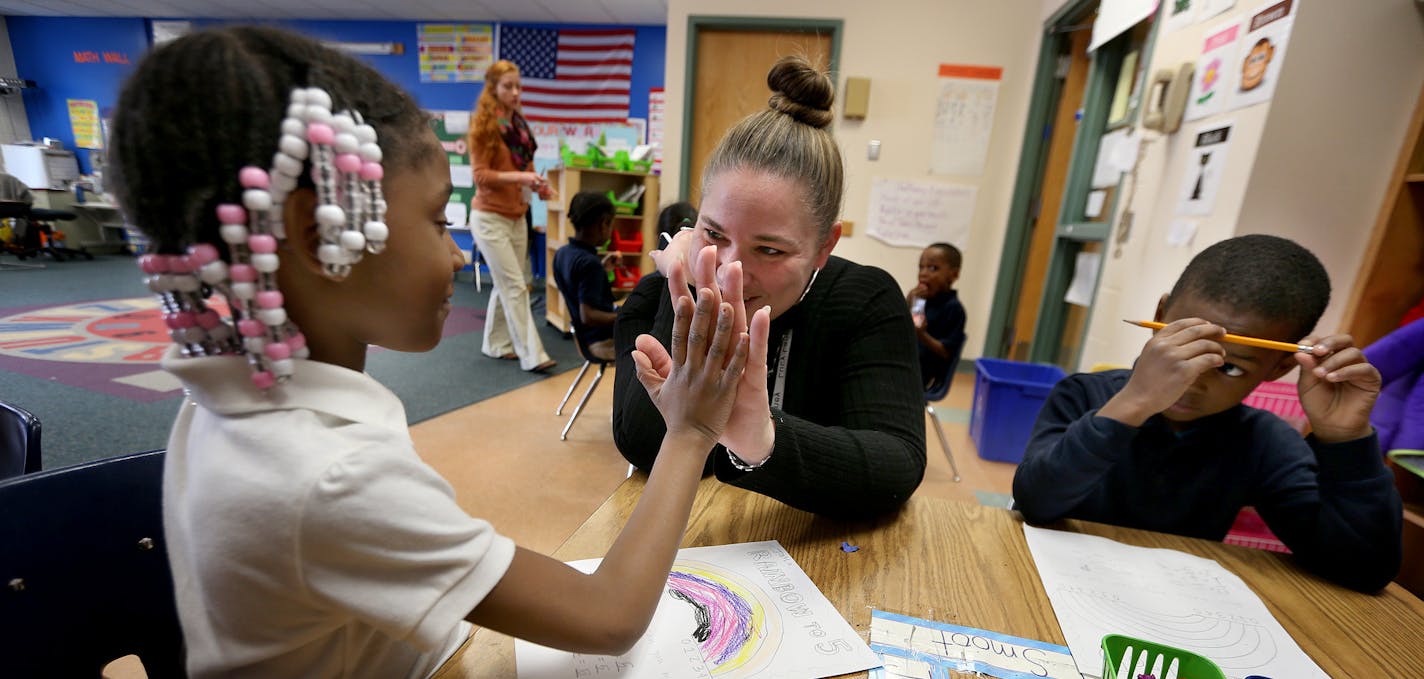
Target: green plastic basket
{"points": [[1189, 665], [621, 207]]}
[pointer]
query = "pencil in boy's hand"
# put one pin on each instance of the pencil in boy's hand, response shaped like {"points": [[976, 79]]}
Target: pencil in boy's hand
{"points": [[1240, 339]]}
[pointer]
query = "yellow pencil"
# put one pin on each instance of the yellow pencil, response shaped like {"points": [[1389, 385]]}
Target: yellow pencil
{"points": [[1240, 339]]}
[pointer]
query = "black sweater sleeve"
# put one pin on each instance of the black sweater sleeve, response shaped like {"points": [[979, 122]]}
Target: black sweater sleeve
{"points": [[1336, 507], [851, 440], [864, 453], [1069, 452]]}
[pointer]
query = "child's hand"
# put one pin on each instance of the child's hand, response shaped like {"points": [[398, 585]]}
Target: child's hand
{"points": [[1169, 364], [695, 386], [1338, 388]]}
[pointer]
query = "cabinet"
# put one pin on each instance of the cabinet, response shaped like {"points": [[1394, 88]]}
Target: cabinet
{"points": [[1390, 282], [633, 235]]}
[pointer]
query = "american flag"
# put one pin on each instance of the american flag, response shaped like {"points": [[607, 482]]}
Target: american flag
{"points": [[571, 75]]}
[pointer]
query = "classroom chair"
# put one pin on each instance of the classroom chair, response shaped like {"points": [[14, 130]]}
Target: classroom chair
{"points": [[19, 441], [936, 392], [588, 359], [86, 571], [34, 234]]}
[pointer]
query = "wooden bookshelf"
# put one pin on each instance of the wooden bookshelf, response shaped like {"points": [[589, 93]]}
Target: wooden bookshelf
{"points": [[644, 223]]}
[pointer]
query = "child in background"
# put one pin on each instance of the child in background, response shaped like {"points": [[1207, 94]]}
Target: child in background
{"points": [[582, 276], [673, 218], [1168, 446], [305, 535], [938, 315]]}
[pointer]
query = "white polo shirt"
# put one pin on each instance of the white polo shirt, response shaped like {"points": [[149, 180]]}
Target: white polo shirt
{"points": [[306, 537]]}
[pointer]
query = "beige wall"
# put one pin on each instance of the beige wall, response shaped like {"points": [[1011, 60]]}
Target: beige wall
{"points": [[899, 46], [1311, 165]]}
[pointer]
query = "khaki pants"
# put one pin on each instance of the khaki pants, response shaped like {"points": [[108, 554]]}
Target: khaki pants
{"points": [[509, 324]]}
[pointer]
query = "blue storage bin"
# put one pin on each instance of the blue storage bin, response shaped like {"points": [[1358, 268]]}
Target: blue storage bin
{"points": [[1007, 398]]}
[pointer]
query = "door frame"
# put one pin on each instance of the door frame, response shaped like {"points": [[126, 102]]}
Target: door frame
{"points": [[1069, 234], [698, 23], [1033, 157]]}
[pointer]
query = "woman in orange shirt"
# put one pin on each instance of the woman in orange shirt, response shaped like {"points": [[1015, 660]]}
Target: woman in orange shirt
{"points": [[502, 151]]}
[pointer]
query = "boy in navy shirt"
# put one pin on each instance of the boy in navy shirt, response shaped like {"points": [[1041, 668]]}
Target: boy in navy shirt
{"points": [[939, 317], [1168, 446], [582, 275]]}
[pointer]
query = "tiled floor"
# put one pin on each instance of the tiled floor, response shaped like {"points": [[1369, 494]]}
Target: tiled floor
{"points": [[507, 464]]}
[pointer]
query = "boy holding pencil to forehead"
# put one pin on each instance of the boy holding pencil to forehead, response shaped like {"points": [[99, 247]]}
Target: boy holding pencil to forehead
{"points": [[1168, 446]]}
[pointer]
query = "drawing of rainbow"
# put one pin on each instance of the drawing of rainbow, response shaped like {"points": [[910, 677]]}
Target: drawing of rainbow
{"points": [[736, 630]]}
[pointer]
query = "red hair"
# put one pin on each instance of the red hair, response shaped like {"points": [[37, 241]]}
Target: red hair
{"points": [[484, 138]]}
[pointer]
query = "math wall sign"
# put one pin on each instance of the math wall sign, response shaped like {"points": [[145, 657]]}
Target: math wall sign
{"points": [[98, 57]]}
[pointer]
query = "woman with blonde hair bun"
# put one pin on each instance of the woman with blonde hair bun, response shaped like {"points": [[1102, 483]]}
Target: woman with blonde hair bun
{"points": [[834, 424]]}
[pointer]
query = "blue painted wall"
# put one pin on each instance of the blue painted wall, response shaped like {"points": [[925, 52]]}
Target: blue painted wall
{"points": [[44, 50]]}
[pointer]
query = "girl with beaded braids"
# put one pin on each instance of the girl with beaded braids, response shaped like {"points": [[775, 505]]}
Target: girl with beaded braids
{"points": [[835, 424], [296, 203]]}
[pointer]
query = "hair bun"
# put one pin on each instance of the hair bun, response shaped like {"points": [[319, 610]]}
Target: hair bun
{"points": [[801, 91]]}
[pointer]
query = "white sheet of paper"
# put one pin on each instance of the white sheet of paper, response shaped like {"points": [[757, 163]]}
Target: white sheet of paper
{"points": [[1116, 16], [770, 621], [1124, 152], [1099, 586], [462, 176], [457, 122], [1085, 277], [915, 214], [1094, 208], [964, 119], [1179, 15], [1107, 168], [1181, 232], [1206, 164], [1211, 8]]}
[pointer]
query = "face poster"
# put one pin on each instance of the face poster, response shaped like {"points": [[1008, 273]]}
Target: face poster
{"points": [[1262, 52]]}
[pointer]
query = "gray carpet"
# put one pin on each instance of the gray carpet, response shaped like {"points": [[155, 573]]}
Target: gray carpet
{"points": [[81, 424]]}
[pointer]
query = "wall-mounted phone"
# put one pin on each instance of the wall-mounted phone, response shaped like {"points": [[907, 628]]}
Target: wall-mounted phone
{"points": [[1167, 98]]}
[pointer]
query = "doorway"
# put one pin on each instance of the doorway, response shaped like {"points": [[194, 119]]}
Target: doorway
{"points": [[727, 62], [1078, 97]]}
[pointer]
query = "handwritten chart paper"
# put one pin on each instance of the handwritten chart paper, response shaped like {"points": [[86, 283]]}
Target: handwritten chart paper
{"points": [[915, 214], [912, 647], [744, 610], [1099, 586], [964, 117]]}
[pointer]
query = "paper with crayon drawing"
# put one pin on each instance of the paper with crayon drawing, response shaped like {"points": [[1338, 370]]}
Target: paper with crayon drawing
{"points": [[744, 610]]}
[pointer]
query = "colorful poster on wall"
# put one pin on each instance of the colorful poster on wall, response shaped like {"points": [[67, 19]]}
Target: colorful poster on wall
{"points": [[452, 139], [84, 121], [729, 611], [455, 53], [1214, 81], [1262, 52], [964, 118], [1205, 168]]}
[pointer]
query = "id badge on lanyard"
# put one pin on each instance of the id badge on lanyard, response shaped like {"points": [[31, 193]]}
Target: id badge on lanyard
{"points": [[778, 391]]}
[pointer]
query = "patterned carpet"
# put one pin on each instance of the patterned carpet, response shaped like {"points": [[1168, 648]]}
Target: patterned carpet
{"points": [[80, 341]]}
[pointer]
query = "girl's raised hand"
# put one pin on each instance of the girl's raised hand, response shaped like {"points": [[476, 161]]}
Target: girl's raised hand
{"points": [[695, 385]]}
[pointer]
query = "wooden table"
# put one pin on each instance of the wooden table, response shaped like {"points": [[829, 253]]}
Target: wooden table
{"points": [[969, 565]]}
